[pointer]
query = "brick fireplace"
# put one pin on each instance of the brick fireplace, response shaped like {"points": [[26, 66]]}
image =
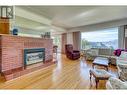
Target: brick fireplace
{"points": [[12, 53]]}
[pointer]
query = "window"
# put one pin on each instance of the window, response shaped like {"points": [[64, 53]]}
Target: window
{"points": [[57, 41], [107, 38]]}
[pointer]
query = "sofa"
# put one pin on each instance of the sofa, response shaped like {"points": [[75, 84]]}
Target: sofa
{"points": [[92, 53], [70, 53]]}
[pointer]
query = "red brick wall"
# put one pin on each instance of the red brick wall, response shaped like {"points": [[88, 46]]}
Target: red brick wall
{"points": [[12, 47]]}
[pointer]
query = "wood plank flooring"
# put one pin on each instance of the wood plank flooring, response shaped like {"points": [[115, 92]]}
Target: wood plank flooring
{"points": [[66, 74]]}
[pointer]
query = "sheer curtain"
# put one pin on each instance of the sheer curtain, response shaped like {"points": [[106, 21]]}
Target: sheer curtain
{"points": [[121, 37], [126, 36], [64, 41], [77, 40]]}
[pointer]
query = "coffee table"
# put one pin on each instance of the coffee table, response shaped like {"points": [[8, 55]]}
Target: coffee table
{"points": [[101, 61]]}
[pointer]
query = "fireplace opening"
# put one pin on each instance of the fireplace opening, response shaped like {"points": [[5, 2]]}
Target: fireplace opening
{"points": [[35, 55]]}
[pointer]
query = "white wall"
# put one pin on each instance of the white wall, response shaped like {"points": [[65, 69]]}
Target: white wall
{"points": [[26, 31], [69, 38]]}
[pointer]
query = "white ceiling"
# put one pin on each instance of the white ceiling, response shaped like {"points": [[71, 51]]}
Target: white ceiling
{"points": [[74, 16]]}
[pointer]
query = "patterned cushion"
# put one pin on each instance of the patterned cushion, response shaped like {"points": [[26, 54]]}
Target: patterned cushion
{"points": [[105, 51], [93, 52], [123, 54]]}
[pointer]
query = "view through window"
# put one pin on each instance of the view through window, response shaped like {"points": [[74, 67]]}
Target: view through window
{"points": [[57, 41], [107, 38]]}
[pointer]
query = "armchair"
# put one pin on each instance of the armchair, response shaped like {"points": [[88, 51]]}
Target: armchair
{"points": [[70, 53], [122, 66], [121, 83], [115, 83]]}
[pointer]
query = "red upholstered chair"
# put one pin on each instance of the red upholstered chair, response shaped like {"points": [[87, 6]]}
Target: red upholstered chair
{"points": [[70, 53]]}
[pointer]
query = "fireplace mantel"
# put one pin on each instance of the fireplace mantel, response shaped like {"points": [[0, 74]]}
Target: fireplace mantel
{"points": [[12, 52]]}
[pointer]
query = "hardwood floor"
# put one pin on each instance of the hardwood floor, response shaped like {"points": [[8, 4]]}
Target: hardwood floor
{"points": [[66, 74]]}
